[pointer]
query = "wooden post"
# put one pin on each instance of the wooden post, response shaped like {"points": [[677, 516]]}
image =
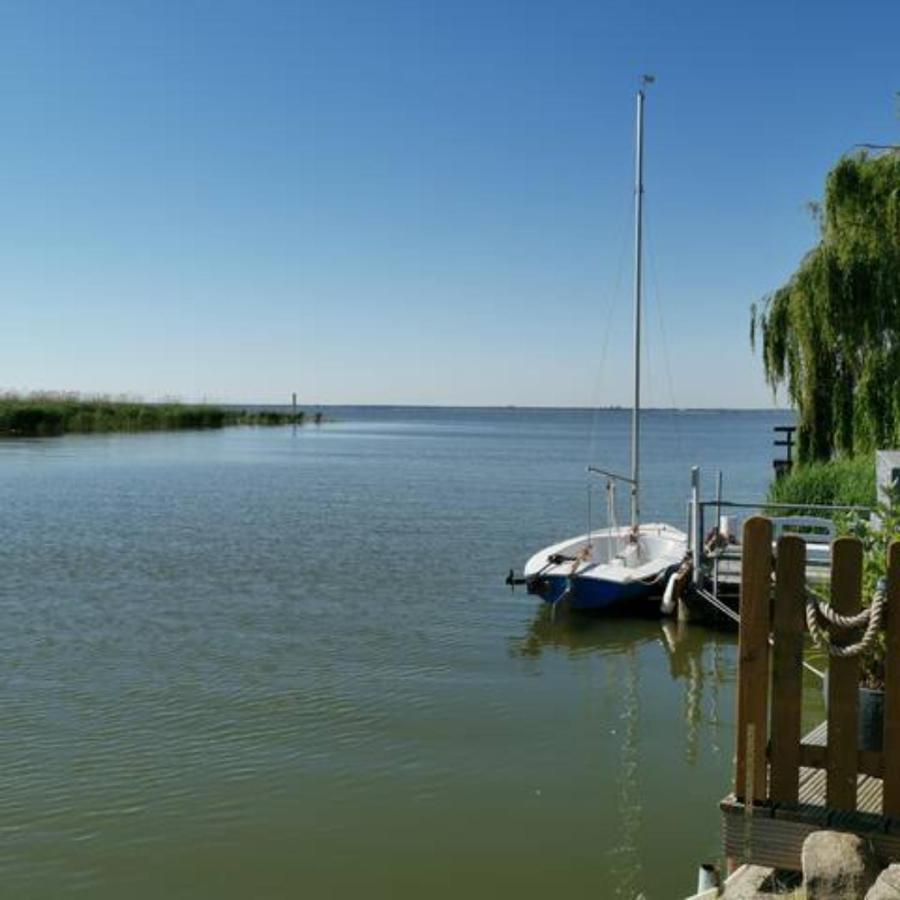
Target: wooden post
{"points": [[294, 407], [783, 466], [718, 527], [753, 660], [843, 681], [787, 669], [891, 746], [696, 528]]}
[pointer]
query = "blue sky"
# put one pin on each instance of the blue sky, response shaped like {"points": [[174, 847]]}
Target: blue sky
{"points": [[414, 202]]}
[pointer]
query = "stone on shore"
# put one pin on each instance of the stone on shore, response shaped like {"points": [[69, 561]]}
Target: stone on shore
{"points": [[747, 883], [838, 866], [887, 887]]}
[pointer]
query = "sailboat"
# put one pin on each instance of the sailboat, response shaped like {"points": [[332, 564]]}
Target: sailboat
{"points": [[618, 564]]}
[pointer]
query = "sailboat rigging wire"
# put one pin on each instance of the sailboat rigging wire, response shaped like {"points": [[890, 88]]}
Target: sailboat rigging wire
{"points": [[597, 470], [667, 363], [731, 614], [611, 516], [590, 529], [614, 299]]}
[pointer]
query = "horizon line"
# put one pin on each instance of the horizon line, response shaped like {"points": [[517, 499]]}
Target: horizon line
{"points": [[516, 406]]}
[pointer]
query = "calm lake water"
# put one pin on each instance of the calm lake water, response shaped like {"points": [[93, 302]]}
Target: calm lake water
{"points": [[264, 663]]}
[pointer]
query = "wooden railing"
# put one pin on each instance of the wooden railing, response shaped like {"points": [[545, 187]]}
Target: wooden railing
{"points": [[770, 748]]}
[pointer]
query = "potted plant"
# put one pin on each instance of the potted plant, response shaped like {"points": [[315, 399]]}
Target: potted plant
{"points": [[876, 534]]}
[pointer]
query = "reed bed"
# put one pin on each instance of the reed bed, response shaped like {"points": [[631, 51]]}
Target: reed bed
{"points": [[49, 414]]}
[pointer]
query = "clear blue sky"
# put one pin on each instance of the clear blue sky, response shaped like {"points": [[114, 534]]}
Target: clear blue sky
{"points": [[414, 202]]}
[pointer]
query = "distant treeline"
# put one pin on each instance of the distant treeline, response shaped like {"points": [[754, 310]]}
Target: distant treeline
{"points": [[37, 415]]}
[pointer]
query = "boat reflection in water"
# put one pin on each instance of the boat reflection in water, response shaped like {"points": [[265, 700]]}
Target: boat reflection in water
{"points": [[655, 699], [700, 659]]}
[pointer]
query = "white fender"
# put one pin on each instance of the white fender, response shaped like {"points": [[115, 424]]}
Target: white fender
{"points": [[667, 607]]}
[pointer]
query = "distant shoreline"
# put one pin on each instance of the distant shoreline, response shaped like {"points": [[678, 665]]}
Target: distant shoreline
{"points": [[53, 415], [513, 408]]}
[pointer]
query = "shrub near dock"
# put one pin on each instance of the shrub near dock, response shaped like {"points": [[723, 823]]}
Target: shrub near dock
{"points": [[841, 482]]}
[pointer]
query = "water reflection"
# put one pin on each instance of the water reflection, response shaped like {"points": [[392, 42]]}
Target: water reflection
{"points": [[188, 669], [580, 632], [700, 659], [624, 858], [642, 710], [697, 656], [688, 647]]}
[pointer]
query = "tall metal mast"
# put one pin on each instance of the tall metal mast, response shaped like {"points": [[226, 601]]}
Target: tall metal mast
{"points": [[638, 237]]}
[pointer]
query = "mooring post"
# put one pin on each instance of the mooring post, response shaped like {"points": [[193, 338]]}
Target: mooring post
{"points": [[696, 536], [718, 531]]}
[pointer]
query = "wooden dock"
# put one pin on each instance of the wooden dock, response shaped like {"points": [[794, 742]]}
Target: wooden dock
{"points": [[787, 786], [728, 563], [773, 835]]}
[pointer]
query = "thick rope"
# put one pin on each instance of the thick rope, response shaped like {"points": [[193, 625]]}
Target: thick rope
{"points": [[871, 618], [834, 618]]}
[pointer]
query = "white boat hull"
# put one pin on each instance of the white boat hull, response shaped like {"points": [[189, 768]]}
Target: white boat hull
{"points": [[607, 567]]}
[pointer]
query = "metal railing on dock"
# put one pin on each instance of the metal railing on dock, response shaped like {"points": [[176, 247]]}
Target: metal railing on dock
{"points": [[716, 551]]}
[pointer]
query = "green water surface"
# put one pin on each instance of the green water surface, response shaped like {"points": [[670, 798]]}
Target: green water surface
{"points": [[270, 663]]}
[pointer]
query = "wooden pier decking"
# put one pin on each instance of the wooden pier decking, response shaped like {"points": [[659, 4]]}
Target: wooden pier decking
{"points": [[773, 834], [787, 786], [729, 569], [726, 564]]}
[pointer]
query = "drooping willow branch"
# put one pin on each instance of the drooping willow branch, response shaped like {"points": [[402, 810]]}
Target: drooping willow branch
{"points": [[831, 335]]}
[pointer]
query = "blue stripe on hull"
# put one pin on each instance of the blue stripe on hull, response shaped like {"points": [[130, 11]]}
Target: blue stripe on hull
{"points": [[594, 593]]}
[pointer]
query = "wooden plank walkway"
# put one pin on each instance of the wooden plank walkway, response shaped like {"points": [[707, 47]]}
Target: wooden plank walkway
{"points": [[773, 834], [730, 568], [786, 788]]}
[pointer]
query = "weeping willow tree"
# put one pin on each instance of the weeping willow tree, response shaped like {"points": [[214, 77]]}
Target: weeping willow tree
{"points": [[831, 335]]}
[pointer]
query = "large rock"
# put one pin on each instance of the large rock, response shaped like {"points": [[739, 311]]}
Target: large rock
{"points": [[837, 866], [887, 887]]}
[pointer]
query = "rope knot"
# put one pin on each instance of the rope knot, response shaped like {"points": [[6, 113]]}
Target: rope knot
{"points": [[822, 619]]}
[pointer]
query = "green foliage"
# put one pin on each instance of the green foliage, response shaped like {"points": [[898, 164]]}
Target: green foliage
{"points": [[840, 482], [876, 536], [38, 415], [264, 417], [831, 335]]}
